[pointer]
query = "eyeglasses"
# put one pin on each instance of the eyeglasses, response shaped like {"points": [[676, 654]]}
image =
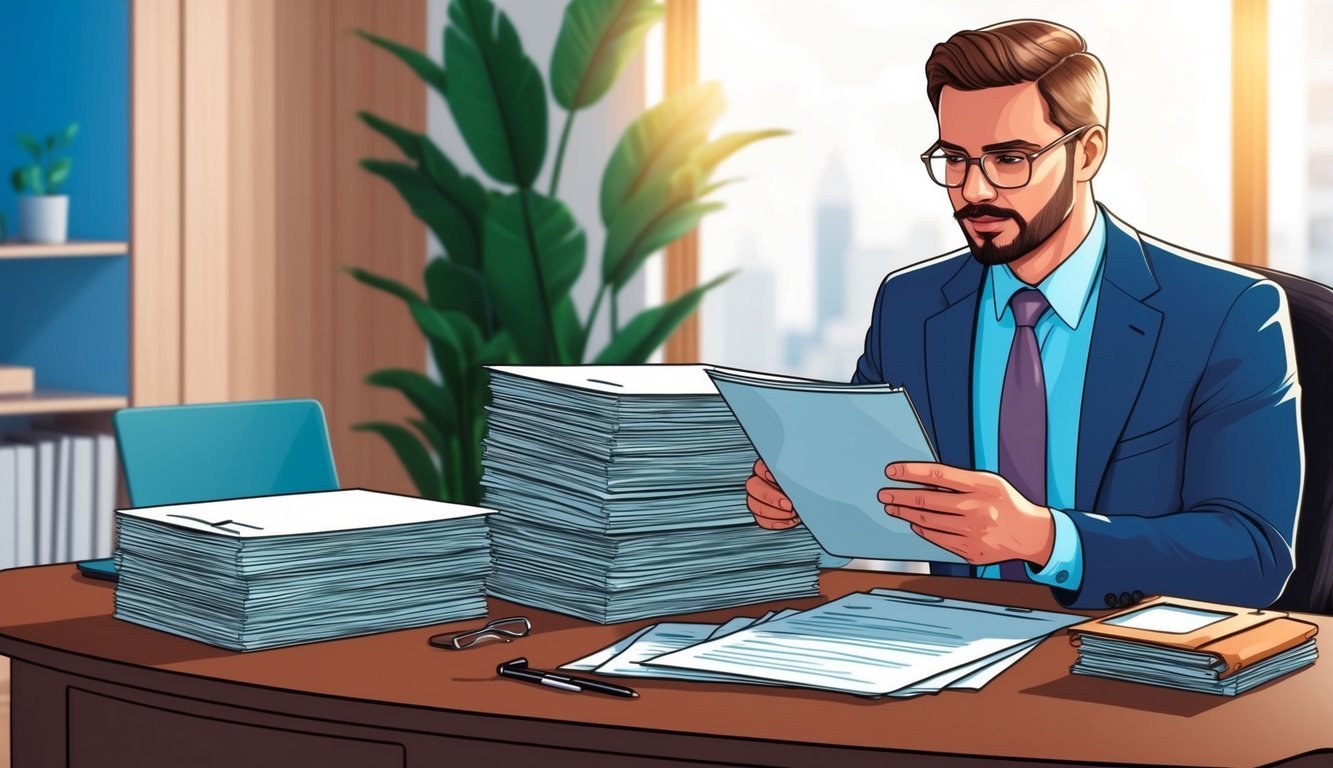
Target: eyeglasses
{"points": [[1003, 168], [500, 629]]}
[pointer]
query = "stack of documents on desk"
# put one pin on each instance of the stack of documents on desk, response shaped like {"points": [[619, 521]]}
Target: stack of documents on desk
{"points": [[621, 495], [255, 573], [1194, 646], [884, 642]]}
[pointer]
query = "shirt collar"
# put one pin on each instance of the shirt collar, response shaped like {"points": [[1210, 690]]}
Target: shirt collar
{"points": [[1068, 287]]}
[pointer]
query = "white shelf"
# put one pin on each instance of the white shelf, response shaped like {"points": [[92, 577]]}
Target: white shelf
{"points": [[58, 401], [11, 249]]}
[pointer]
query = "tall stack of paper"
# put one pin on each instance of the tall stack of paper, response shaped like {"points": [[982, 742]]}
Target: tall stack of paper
{"points": [[256, 573], [621, 494]]}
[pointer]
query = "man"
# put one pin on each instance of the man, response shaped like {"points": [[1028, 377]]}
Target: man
{"points": [[1115, 416]]}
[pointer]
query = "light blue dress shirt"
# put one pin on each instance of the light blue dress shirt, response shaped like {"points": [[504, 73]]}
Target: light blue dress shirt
{"points": [[1064, 334]]}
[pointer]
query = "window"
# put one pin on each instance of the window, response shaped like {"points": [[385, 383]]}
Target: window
{"points": [[825, 214]]}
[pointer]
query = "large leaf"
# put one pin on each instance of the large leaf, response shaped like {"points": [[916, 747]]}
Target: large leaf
{"points": [[495, 92], [707, 157], [637, 341], [461, 288], [388, 285], [420, 63], [534, 252], [413, 455], [446, 448], [659, 143], [447, 216], [653, 218], [433, 401], [454, 341], [597, 39]]}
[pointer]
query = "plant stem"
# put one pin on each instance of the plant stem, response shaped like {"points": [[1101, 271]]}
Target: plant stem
{"points": [[548, 312], [592, 319], [560, 154], [615, 313]]}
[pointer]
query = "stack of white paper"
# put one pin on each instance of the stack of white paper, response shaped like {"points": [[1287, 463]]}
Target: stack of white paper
{"points": [[621, 494], [884, 642], [247, 574]]}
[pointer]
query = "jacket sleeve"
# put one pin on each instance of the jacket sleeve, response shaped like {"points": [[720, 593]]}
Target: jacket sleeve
{"points": [[869, 368], [1232, 540]]}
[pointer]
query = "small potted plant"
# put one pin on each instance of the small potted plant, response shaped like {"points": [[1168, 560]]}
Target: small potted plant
{"points": [[44, 214]]}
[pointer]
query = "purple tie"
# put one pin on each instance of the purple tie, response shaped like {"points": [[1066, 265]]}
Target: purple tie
{"points": [[1023, 413]]}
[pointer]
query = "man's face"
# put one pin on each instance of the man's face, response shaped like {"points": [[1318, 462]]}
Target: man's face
{"points": [[1003, 224]]}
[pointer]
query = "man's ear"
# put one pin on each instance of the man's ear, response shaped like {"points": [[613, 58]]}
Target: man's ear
{"points": [[1091, 152]]}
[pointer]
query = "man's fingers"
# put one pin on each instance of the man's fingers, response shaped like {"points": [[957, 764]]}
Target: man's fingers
{"points": [[928, 499], [758, 488], [768, 511], [938, 475], [942, 522], [761, 469]]}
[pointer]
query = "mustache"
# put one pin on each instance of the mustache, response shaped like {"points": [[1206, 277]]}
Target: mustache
{"points": [[982, 209]]}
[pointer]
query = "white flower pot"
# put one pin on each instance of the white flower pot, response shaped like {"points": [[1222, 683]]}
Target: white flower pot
{"points": [[43, 218]]}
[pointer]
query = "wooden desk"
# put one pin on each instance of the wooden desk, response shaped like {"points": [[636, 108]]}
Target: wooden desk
{"points": [[91, 690]]}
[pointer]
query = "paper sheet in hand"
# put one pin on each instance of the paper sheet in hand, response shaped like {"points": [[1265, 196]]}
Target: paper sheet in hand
{"points": [[874, 644], [827, 445]]}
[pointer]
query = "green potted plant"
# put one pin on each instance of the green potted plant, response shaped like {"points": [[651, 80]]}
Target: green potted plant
{"points": [[501, 291], [43, 212]]}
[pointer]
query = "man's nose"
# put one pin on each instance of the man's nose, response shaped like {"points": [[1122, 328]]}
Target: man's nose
{"points": [[976, 187]]}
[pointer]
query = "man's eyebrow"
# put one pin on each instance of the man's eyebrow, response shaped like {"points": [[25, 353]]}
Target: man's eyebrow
{"points": [[1011, 144]]}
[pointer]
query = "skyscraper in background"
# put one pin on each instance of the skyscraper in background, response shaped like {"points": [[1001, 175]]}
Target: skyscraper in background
{"points": [[833, 242]]}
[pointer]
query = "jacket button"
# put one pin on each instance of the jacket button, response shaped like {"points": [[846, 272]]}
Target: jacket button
{"points": [[1137, 595], [1124, 600], [1110, 600]]}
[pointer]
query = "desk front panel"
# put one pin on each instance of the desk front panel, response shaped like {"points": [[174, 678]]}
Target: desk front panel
{"points": [[394, 683]]}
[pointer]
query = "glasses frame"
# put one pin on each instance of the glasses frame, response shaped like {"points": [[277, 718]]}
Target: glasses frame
{"points": [[969, 160], [453, 641]]}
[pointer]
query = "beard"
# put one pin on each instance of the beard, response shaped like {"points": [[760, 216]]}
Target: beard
{"points": [[1043, 225]]}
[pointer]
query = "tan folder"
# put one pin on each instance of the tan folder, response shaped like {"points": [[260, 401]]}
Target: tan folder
{"points": [[1241, 640]]}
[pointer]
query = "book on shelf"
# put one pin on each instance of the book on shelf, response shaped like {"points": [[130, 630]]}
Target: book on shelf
{"points": [[16, 380]]}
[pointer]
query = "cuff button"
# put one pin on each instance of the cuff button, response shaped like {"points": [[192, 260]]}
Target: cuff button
{"points": [[1061, 577], [1110, 600]]}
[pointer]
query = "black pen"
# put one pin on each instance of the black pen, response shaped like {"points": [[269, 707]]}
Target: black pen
{"points": [[517, 669]]}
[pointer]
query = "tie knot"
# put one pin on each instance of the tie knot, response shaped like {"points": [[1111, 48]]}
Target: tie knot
{"points": [[1028, 304]]}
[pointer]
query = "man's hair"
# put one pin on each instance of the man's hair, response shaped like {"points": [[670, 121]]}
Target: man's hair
{"points": [[1071, 80]]}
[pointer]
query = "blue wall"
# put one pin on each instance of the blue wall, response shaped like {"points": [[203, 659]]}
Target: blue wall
{"points": [[69, 61]]}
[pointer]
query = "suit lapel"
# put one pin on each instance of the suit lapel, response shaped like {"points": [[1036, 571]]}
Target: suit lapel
{"points": [[1124, 337], [949, 341]]}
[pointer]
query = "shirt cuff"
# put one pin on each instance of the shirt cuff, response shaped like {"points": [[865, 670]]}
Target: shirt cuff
{"points": [[1065, 568]]}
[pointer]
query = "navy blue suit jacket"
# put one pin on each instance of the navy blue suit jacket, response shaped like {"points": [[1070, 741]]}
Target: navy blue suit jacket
{"points": [[1189, 449]]}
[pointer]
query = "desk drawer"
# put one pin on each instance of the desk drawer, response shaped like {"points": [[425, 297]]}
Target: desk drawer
{"points": [[106, 731]]}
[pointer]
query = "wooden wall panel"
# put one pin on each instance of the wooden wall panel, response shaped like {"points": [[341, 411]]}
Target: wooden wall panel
{"points": [[239, 292], [206, 233], [375, 227], [681, 34], [252, 342], [155, 207]]}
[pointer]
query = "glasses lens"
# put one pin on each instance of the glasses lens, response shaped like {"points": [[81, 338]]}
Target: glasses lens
{"points": [[516, 626], [946, 170], [1006, 169]]}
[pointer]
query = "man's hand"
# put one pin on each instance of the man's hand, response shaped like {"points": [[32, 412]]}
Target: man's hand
{"points": [[770, 506], [978, 516]]}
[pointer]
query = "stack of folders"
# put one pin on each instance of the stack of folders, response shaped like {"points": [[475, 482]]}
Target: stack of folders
{"points": [[884, 642], [620, 493], [1194, 646], [57, 495], [247, 574]]}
